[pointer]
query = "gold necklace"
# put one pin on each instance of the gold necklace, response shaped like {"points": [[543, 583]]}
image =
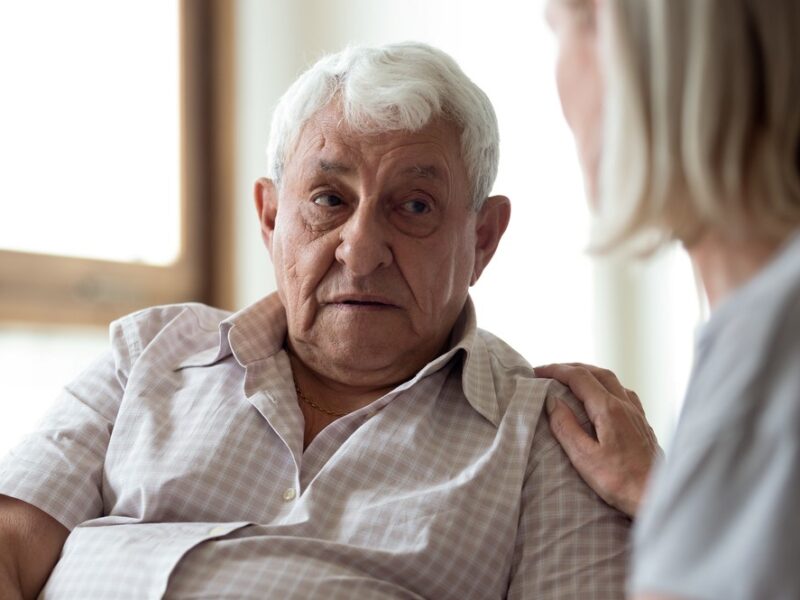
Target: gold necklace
{"points": [[313, 404]]}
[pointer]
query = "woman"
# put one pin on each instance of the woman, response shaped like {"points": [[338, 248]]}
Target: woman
{"points": [[686, 115]]}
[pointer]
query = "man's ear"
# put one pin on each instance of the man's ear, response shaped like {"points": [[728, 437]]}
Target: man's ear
{"points": [[266, 197], [491, 225]]}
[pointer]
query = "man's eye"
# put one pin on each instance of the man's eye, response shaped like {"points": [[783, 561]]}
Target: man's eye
{"points": [[417, 207], [328, 200]]}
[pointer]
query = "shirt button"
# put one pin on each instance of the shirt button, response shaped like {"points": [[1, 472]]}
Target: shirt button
{"points": [[218, 531], [289, 494]]}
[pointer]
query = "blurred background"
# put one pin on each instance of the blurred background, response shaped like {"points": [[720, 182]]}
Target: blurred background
{"points": [[131, 134]]}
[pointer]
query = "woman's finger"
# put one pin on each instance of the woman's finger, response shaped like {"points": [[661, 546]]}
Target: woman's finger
{"points": [[605, 377], [578, 445], [634, 399], [584, 385]]}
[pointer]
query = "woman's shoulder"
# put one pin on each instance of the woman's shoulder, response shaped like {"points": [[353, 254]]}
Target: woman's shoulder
{"points": [[747, 363]]}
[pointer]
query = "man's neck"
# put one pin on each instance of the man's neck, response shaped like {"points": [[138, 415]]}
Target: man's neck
{"points": [[331, 394]]}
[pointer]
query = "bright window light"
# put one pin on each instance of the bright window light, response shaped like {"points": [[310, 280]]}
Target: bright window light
{"points": [[90, 140]]}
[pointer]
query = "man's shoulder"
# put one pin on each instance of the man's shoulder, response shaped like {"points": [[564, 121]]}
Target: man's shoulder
{"points": [[504, 360], [511, 370], [139, 329]]}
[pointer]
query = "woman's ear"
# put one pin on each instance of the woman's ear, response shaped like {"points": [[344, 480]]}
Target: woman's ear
{"points": [[492, 222]]}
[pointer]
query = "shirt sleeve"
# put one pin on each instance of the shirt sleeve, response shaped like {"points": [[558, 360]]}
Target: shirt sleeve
{"points": [[59, 466], [570, 543]]}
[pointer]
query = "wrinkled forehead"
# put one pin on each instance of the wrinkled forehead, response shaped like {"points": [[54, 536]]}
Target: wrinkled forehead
{"points": [[328, 143]]}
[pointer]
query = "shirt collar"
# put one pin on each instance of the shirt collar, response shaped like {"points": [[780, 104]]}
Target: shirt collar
{"points": [[258, 332], [254, 333], [467, 344]]}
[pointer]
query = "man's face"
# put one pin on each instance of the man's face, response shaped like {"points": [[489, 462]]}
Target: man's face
{"points": [[375, 244]]}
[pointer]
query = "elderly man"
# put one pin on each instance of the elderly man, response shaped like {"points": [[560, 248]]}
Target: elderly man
{"points": [[353, 435]]}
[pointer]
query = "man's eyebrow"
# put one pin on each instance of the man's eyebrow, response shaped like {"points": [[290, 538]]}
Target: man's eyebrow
{"points": [[418, 171], [328, 166], [423, 172]]}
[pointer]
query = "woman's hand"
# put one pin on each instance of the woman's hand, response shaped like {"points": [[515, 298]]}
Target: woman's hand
{"points": [[617, 464]]}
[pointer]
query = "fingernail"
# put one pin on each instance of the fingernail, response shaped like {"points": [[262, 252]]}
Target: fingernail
{"points": [[551, 403]]}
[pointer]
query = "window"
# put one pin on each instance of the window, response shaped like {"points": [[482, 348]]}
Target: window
{"points": [[116, 156]]}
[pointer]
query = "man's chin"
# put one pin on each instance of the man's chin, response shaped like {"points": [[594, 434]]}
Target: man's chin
{"points": [[375, 348]]}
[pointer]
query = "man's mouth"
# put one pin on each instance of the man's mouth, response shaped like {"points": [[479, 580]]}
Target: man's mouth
{"points": [[362, 302]]}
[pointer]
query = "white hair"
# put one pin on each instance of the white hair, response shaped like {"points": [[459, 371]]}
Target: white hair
{"points": [[392, 88], [702, 125]]}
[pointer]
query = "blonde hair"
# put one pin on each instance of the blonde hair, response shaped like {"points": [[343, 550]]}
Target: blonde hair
{"points": [[702, 121]]}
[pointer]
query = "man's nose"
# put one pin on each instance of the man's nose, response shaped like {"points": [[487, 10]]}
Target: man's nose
{"points": [[364, 245]]}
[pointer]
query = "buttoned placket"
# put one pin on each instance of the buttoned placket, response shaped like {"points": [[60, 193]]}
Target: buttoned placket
{"points": [[273, 395], [333, 438], [336, 437]]}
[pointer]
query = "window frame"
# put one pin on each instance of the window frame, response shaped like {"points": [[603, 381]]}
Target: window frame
{"points": [[43, 288]]}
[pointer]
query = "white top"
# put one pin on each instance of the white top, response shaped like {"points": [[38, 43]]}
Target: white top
{"points": [[177, 463], [722, 517]]}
